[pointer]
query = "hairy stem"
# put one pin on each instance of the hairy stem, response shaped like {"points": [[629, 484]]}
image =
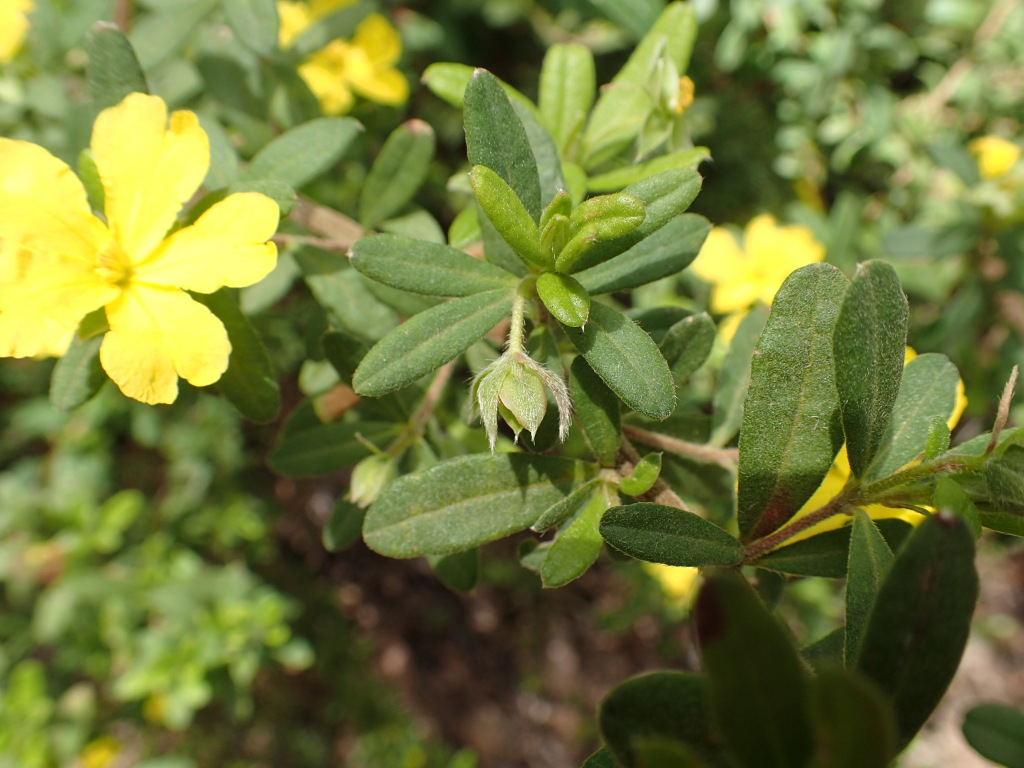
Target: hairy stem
{"points": [[727, 457]]}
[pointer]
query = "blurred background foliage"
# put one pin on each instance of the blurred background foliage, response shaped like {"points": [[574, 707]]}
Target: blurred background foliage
{"points": [[164, 599]]}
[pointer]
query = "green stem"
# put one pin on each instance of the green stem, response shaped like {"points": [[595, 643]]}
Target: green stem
{"points": [[517, 323]]}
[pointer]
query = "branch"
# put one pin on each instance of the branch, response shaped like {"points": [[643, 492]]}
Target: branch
{"points": [[727, 457]]}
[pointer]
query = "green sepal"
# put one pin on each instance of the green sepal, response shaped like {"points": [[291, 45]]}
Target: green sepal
{"points": [[466, 502], [643, 477], [506, 212], [566, 300], [660, 534]]}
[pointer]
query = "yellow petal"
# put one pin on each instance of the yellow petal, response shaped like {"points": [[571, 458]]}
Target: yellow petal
{"points": [[148, 170], [13, 26], [294, 17], [43, 298], [378, 39], [720, 258], [226, 246], [776, 251], [43, 205], [995, 155], [157, 335], [387, 86]]}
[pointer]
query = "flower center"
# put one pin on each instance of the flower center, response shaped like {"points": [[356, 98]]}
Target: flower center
{"points": [[112, 265]]}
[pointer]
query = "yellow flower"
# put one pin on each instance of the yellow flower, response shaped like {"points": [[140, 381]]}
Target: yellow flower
{"points": [[13, 26], [839, 473], [995, 155], [678, 583], [100, 753], [364, 66], [742, 276], [59, 261]]}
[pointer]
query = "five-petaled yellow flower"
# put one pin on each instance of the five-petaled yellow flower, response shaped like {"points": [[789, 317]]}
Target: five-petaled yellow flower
{"points": [[741, 276], [59, 261], [13, 26], [995, 155], [364, 66]]}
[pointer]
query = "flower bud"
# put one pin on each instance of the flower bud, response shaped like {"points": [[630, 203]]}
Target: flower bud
{"points": [[369, 478]]}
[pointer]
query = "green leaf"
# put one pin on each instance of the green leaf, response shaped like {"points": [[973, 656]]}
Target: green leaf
{"points": [[344, 293], [597, 411], [567, 84], [667, 251], [566, 300], [326, 448], [928, 389], [397, 172], [112, 71], [627, 360], [661, 534], [160, 35], [496, 138], [429, 340], [827, 554], [458, 571], [996, 731], [870, 342], [669, 706], [687, 345], [545, 153], [503, 207], [565, 508], [339, 24], [854, 722], [951, 496], [734, 378], [465, 502], [600, 218], [921, 618], [601, 759], [665, 196], [577, 545], [685, 160], [428, 268], [825, 652], [759, 693], [249, 383], [791, 430], [643, 477], [1004, 479], [302, 153], [345, 526], [870, 558], [78, 375], [255, 24]]}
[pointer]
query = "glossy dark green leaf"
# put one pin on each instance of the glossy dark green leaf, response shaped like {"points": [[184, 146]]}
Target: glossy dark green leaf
{"points": [[567, 85], [660, 534], [112, 71], [428, 340], [758, 690], [397, 172], [643, 477], [506, 212], [78, 375], [345, 526], [791, 429], [428, 268], [928, 389], [465, 502], [304, 152], [597, 411], [727, 401], [666, 252], [496, 138], [827, 554], [950, 495], [996, 732], [577, 545], [921, 618], [870, 558], [566, 300], [627, 360], [327, 448], [669, 706], [870, 342], [1004, 479], [854, 722], [687, 345], [458, 571], [249, 383], [255, 23]]}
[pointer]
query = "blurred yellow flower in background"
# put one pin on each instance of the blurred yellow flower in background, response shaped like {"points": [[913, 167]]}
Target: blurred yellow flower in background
{"points": [[13, 26], [100, 753], [741, 275], [995, 155], [60, 262], [678, 583], [341, 70]]}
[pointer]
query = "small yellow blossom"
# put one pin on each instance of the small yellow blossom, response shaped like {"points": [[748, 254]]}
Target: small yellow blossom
{"points": [[741, 276], [995, 155], [13, 26], [679, 584], [839, 474], [684, 96], [59, 261], [100, 753], [364, 66]]}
